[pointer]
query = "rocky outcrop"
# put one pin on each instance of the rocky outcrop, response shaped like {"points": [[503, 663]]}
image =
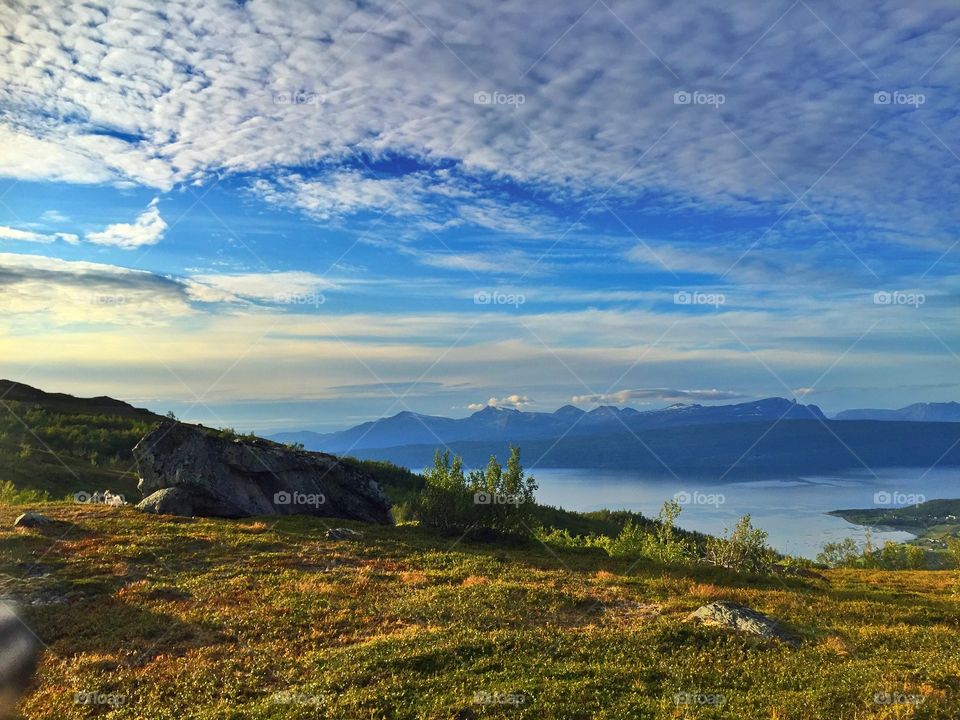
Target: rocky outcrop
{"points": [[734, 616], [194, 471]]}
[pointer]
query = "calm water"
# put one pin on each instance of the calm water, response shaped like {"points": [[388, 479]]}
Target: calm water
{"points": [[792, 511]]}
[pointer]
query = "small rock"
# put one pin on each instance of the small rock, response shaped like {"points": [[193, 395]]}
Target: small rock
{"points": [[342, 534], [734, 616], [31, 519]]}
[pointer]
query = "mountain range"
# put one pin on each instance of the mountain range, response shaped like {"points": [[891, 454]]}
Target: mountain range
{"points": [[764, 438], [510, 425]]}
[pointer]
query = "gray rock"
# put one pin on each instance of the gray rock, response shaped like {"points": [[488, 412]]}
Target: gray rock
{"points": [[194, 471], [734, 616], [174, 501], [31, 519], [342, 534]]}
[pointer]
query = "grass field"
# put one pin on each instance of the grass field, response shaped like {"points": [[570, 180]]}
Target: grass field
{"points": [[158, 617]]}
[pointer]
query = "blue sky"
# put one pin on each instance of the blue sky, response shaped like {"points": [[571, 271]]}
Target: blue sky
{"points": [[273, 215]]}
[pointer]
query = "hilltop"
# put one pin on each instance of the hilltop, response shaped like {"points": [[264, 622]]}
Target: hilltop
{"points": [[61, 444]]}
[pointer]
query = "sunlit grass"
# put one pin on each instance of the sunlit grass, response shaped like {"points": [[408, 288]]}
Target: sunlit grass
{"points": [[157, 617]]}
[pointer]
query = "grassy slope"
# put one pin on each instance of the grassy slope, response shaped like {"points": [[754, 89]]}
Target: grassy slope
{"points": [[193, 618], [61, 444]]}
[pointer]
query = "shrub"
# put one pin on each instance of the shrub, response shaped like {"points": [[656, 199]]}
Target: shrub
{"points": [[10, 494], [492, 499], [662, 543], [744, 550], [843, 554]]}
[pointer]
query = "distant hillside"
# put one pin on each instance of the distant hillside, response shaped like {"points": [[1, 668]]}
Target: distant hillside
{"points": [[743, 450], [933, 518], [63, 444], [501, 425], [918, 412]]}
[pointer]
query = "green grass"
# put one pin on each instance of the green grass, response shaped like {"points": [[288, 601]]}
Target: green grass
{"points": [[202, 618]]}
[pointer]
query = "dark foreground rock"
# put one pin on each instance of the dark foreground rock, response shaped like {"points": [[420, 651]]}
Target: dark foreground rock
{"points": [[20, 651], [734, 616], [193, 471]]}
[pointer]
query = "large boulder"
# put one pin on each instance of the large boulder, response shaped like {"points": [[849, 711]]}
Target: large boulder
{"points": [[194, 471], [734, 616]]}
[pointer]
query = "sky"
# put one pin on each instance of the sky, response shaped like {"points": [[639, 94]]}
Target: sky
{"points": [[282, 215]]}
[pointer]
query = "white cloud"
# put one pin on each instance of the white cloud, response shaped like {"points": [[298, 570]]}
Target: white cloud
{"points": [[626, 397], [147, 229], [515, 401], [9, 233], [90, 99], [270, 287], [37, 293]]}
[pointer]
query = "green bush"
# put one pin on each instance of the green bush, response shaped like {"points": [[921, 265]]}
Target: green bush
{"points": [[493, 499], [12, 495], [743, 550], [662, 543], [843, 554]]}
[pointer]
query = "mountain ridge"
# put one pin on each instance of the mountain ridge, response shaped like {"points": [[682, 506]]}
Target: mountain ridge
{"points": [[508, 424], [916, 412]]}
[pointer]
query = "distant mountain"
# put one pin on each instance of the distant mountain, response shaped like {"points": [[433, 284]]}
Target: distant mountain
{"points": [[507, 425], [918, 412]]}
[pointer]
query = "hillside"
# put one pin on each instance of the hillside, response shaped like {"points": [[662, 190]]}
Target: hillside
{"points": [[61, 444], [933, 519], [189, 618]]}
